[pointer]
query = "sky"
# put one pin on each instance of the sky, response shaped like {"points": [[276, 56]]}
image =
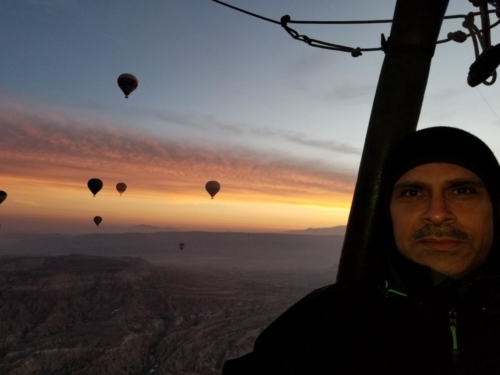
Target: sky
{"points": [[222, 96]]}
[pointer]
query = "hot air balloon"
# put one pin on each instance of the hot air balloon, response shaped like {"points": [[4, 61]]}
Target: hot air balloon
{"points": [[121, 187], [212, 187], [127, 83], [95, 185], [181, 246], [97, 220], [3, 196]]}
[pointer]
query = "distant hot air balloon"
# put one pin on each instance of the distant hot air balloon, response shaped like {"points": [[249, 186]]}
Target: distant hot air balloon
{"points": [[3, 196], [121, 187], [212, 187], [97, 220], [127, 83], [181, 246], [95, 185]]}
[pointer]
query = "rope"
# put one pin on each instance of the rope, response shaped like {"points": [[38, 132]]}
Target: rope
{"points": [[474, 38], [482, 35], [355, 52], [457, 36], [357, 22], [246, 12], [493, 79], [467, 35], [485, 23]]}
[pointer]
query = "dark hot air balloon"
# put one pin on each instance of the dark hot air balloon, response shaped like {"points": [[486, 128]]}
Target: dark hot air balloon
{"points": [[121, 187], [97, 220], [181, 246], [95, 185], [127, 83], [212, 187], [3, 196]]}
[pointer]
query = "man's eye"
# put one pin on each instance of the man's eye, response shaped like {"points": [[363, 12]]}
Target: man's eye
{"points": [[410, 193], [465, 190]]}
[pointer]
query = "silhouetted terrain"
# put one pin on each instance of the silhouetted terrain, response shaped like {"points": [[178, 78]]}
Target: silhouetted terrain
{"points": [[223, 250], [79, 315], [339, 230], [87, 314]]}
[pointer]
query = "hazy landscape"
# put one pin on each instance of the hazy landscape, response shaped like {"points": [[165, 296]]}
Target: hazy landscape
{"points": [[134, 303]]}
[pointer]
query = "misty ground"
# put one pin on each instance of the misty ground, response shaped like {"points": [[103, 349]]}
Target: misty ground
{"points": [[171, 312]]}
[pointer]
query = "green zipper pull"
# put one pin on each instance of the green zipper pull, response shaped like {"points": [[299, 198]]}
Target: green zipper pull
{"points": [[453, 329], [388, 290]]}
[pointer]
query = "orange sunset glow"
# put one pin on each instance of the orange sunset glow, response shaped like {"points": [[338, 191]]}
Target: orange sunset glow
{"points": [[49, 155]]}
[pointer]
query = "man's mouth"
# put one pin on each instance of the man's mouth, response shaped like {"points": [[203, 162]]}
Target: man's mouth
{"points": [[440, 243]]}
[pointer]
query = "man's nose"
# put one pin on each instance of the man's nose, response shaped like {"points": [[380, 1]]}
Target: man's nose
{"points": [[438, 211]]}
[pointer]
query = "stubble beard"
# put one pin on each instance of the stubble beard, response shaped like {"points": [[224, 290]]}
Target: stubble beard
{"points": [[454, 263]]}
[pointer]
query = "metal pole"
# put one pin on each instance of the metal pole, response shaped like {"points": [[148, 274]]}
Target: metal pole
{"points": [[395, 113]]}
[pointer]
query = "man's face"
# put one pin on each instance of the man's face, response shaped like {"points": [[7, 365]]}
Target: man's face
{"points": [[442, 218]]}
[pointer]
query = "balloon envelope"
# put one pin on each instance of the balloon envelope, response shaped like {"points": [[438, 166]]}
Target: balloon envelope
{"points": [[127, 83], [181, 246], [212, 187], [97, 220], [3, 196], [121, 187], [95, 185]]}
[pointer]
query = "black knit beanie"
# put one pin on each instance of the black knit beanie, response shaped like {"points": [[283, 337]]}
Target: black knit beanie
{"points": [[444, 145]]}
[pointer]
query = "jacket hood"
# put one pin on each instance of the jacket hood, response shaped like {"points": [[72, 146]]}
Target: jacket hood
{"points": [[439, 145]]}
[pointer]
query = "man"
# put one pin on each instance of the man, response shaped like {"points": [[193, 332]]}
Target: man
{"points": [[435, 308]]}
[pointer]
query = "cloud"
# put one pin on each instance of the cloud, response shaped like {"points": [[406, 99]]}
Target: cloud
{"points": [[27, 203], [54, 147], [323, 144], [212, 123]]}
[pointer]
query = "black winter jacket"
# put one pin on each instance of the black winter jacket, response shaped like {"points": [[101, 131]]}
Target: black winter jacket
{"points": [[386, 327], [408, 320]]}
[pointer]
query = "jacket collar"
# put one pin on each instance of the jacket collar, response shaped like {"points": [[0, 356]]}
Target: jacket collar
{"points": [[422, 285]]}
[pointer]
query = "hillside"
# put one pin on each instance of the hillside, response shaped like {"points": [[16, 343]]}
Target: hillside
{"points": [[79, 314], [339, 230], [202, 249]]}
